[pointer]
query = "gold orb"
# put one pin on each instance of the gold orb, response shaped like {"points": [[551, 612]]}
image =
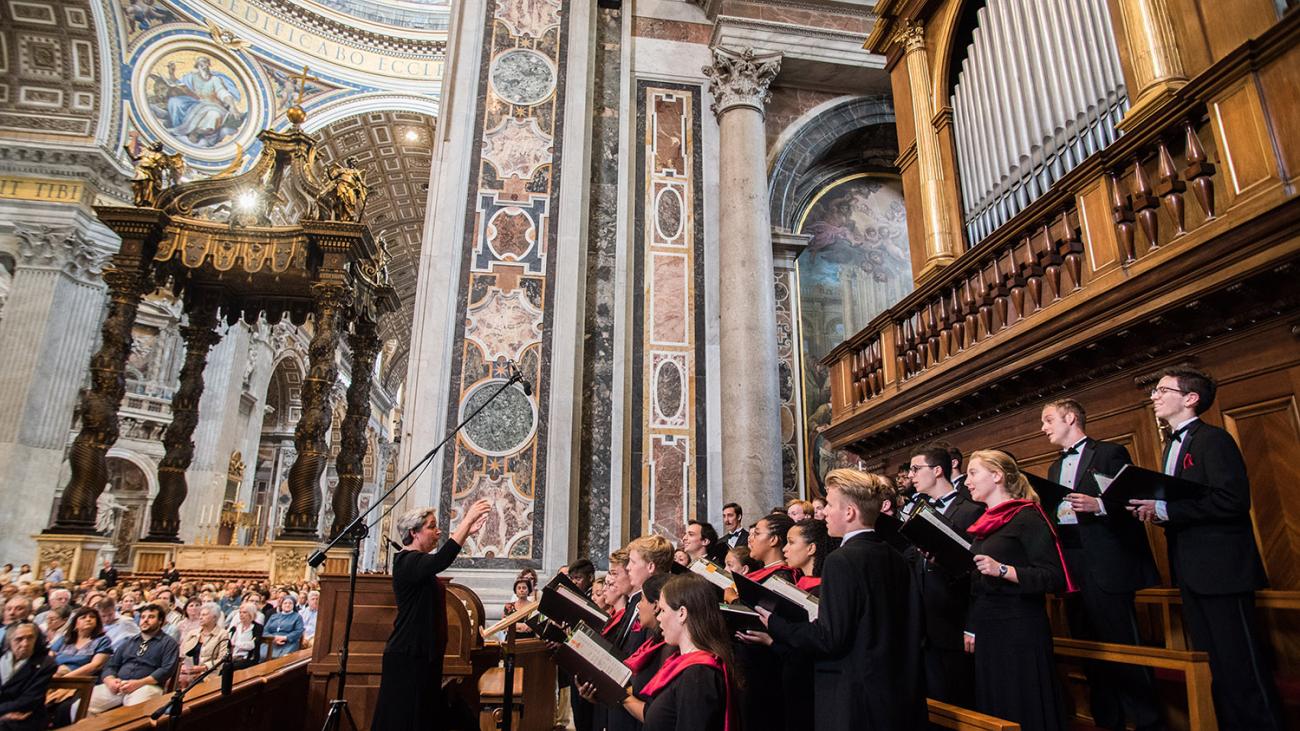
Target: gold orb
{"points": [[296, 114]]}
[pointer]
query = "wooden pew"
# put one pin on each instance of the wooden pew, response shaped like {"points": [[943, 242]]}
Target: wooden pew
{"points": [[945, 715], [1195, 667], [79, 687], [266, 697]]}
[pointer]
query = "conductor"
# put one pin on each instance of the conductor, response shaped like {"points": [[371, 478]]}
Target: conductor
{"points": [[410, 688]]}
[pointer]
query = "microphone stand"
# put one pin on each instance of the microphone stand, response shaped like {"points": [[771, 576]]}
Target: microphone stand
{"points": [[174, 707], [357, 530]]}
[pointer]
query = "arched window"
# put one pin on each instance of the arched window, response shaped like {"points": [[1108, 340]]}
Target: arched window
{"points": [[1038, 89]]}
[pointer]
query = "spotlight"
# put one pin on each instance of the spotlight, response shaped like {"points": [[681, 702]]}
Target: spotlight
{"points": [[247, 201]]}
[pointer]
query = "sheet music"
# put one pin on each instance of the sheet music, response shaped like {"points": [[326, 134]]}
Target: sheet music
{"points": [[580, 600], [934, 520], [585, 644], [794, 594], [717, 576]]}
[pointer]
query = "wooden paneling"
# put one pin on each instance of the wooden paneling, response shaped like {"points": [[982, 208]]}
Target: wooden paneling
{"points": [[1269, 433], [1280, 85], [1243, 138]]}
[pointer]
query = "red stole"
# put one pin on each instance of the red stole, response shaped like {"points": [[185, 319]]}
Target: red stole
{"points": [[808, 583], [766, 571], [994, 518], [613, 621], [644, 654], [679, 662]]}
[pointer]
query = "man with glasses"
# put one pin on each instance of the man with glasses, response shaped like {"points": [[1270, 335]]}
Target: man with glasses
{"points": [[139, 667], [949, 669], [1212, 553], [1109, 558]]}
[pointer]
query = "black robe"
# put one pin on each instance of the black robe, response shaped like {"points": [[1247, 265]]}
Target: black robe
{"points": [[1015, 672], [695, 700], [866, 641]]}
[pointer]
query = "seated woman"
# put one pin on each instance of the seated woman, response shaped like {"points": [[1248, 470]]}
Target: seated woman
{"points": [[84, 647], [26, 669], [56, 622], [191, 618], [286, 627], [246, 635], [204, 646], [693, 689]]}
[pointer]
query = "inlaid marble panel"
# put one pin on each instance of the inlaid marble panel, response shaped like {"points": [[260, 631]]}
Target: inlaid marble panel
{"points": [[668, 446], [506, 282]]}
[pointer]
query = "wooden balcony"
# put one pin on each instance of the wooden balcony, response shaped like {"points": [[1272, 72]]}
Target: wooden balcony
{"points": [[1183, 229]]}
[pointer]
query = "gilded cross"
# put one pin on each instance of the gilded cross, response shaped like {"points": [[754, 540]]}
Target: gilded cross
{"points": [[302, 80]]}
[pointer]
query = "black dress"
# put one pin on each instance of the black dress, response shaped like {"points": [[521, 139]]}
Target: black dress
{"points": [[410, 689], [695, 700], [763, 696], [1015, 673]]}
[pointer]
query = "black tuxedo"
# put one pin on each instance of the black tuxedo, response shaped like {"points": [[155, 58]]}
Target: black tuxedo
{"points": [[1216, 566], [866, 641], [25, 693], [1109, 558], [949, 669], [741, 537]]}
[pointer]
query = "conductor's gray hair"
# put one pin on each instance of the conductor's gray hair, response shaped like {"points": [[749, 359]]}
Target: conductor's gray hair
{"points": [[410, 522]]}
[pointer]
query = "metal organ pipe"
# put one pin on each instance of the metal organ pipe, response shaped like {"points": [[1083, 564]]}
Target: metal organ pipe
{"points": [[1039, 91]]}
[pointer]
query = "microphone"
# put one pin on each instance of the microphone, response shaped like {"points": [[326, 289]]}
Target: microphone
{"points": [[228, 674], [519, 377], [396, 546]]}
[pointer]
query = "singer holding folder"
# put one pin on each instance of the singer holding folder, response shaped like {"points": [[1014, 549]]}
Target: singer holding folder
{"points": [[1019, 561], [410, 688]]}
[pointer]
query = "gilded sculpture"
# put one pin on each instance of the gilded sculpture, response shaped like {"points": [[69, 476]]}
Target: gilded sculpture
{"points": [[155, 170], [344, 196]]}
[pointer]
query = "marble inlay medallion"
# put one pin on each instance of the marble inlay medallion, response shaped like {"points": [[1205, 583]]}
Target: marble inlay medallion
{"points": [[668, 213], [503, 427], [517, 147], [503, 324], [522, 76]]}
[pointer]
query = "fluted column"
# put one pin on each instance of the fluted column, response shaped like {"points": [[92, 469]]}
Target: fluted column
{"points": [[352, 449], [48, 332], [301, 519], [751, 402], [941, 244], [1155, 61], [200, 334]]}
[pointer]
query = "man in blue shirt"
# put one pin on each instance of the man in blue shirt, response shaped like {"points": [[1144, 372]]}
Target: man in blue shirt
{"points": [[139, 667]]}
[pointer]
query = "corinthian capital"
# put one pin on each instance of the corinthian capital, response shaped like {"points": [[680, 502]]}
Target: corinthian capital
{"points": [[741, 78], [65, 249], [911, 37]]}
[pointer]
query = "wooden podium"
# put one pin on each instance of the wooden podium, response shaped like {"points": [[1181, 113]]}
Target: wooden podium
{"points": [[468, 658]]}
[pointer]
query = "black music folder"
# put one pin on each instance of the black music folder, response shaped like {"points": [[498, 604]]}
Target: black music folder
{"points": [[1136, 483], [546, 629], [929, 531], [563, 602], [590, 658], [1052, 494], [740, 618], [754, 594], [887, 527]]}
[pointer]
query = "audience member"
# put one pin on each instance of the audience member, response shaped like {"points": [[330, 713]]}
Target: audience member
{"points": [[140, 666], [204, 645], [308, 613], [56, 620], [54, 574], [25, 671], [285, 627], [83, 648], [108, 574], [17, 609], [118, 628], [246, 636]]}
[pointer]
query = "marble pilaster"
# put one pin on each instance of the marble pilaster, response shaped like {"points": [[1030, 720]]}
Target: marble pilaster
{"points": [[751, 436], [51, 315]]}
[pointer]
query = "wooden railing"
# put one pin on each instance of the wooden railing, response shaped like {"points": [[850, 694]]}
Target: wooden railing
{"points": [[1188, 173]]}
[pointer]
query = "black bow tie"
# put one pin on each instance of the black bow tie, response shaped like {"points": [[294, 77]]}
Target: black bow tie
{"points": [[1070, 451], [1177, 436]]}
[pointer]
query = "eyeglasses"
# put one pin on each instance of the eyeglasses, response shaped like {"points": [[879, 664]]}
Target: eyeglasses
{"points": [[1159, 391], [918, 467]]}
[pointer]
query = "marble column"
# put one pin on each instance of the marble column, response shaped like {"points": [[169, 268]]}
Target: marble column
{"points": [[1155, 61], [53, 308], [364, 344], [941, 245], [751, 422], [200, 334], [301, 521]]}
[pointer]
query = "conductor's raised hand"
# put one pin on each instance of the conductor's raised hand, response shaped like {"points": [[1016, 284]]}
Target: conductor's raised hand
{"points": [[475, 517]]}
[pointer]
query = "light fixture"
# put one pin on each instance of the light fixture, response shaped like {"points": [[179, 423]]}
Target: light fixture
{"points": [[412, 135], [247, 201]]}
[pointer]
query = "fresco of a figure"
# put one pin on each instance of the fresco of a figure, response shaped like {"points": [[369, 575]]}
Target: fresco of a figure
{"points": [[857, 265], [197, 99]]}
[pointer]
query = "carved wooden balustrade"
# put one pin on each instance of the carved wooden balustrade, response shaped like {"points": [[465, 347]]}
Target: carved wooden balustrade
{"points": [[1159, 203]]}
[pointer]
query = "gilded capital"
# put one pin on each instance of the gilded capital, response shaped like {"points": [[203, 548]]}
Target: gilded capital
{"points": [[911, 37], [741, 78]]}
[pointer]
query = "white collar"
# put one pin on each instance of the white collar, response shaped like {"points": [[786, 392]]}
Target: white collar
{"points": [[1078, 446], [852, 533], [1183, 425]]}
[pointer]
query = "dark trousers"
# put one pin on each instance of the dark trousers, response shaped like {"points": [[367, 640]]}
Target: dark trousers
{"points": [[1225, 626], [1117, 692], [950, 676]]}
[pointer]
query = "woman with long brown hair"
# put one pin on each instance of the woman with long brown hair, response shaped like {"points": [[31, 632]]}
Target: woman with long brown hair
{"points": [[1018, 561], [695, 687]]}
